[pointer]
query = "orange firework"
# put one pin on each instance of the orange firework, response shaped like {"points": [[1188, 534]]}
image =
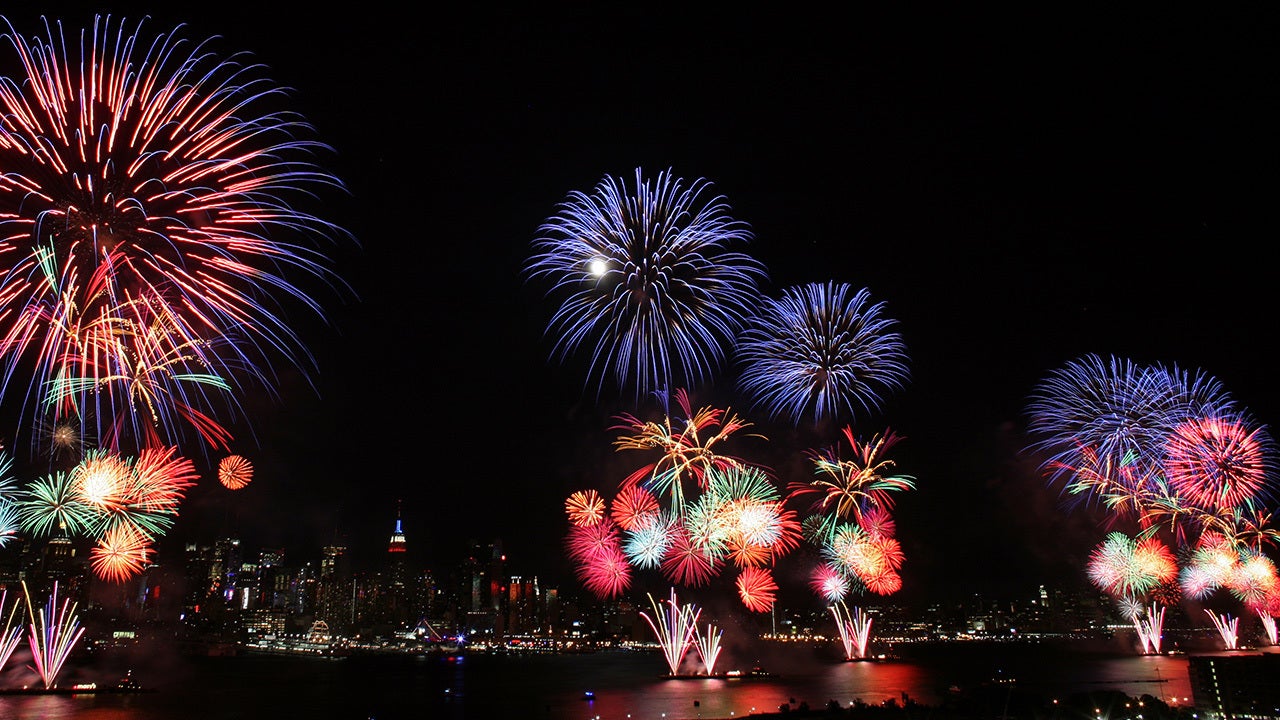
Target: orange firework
{"points": [[757, 589], [585, 508], [120, 554], [631, 505], [235, 472], [101, 480]]}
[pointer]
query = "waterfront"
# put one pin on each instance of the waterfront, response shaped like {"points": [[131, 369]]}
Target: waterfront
{"points": [[626, 684]]}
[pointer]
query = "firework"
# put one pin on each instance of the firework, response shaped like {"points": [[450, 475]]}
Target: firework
{"points": [[854, 628], [1121, 411], [829, 583], [584, 507], [707, 644], [648, 540], [1216, 462], [632, 505], [121, 554], [146, 211], [51, 504], [53, 632], [12, 631], [675, 629], [1228, 627], [821, 351], [687, 447], [689, 562], [235, 472], [756, 588], [1124, 567], [647, 279], [1268, 626], [850, 488]]}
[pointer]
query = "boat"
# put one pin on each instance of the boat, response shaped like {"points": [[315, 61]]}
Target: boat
{"points": [[127, 684]]}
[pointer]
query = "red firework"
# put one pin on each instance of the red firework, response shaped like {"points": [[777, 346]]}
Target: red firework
{"points": [[235, 472], [757, 589], [688, 562], [1215, 463], [632, 504]]}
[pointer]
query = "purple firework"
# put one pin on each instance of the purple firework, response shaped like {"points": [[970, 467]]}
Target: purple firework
{"points": [[821, 351], [647, 281]]}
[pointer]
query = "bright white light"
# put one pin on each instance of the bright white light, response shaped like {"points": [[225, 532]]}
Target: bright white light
{"points": [[597, 266]]}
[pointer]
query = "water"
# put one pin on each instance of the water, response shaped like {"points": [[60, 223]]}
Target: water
{"points": [[625, 684]]}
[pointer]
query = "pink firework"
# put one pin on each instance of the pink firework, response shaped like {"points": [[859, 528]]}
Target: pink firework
{"points": [[1254, 581], [829, 583], [584, 508], [1215, 463], [631, 505], [757, 589], [585, 542], [688, 562], [607, 574]]}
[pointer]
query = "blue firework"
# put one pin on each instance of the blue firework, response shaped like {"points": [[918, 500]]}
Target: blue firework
{"points": [[1115, 413], [148, 221], [648, 280], [821, 351]]}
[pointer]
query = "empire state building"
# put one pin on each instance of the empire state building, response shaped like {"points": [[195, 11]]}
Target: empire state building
{"points": [[398, 599]]}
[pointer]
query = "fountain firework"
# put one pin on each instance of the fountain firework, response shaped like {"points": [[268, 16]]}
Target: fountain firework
{"points": [[855, 630], [675, 628], [51, 638]]}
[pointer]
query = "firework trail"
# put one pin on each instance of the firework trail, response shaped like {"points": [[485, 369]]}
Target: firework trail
{"points": [[52, 634], [149, 231], [820, 351], [1268, 626], [707, 644], [12, 632], [1228, 628], [854, 628], [648, 281], [675, 628]]}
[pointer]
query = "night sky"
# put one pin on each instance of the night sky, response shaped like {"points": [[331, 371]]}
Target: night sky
{"points": [[1020, 190]]}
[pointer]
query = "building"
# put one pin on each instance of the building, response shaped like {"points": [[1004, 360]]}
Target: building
{"points": [[1235, 685]]}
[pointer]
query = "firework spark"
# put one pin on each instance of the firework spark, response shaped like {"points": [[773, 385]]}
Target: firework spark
{"points": [[1216, 462], [147, 214], [821, 351], [235, 472], [854, 628], [647, 281], [675, 628], [53, 633]]}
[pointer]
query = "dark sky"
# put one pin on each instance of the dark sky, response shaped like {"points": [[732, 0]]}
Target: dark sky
{"points": [[1018, 189]]}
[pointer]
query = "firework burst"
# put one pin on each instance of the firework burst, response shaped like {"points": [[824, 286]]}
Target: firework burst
{"points": [[648, 281], [821, 351], [149, 227]]}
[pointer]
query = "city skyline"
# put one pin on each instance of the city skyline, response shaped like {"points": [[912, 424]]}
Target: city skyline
{"points": [[1019, 193]]}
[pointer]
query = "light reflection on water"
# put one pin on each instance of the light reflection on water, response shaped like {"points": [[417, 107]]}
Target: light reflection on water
{"points": [[626, 685]]}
